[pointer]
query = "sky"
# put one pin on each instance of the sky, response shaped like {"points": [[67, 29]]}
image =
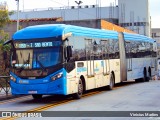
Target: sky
{"points": [[33, 4]]}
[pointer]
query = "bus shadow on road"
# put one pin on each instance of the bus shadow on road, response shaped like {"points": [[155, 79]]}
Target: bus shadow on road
{"points": [[47, 99], [121, 85], [125, 83]]}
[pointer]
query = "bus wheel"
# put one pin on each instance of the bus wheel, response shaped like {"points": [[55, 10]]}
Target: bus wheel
{"points": [[137, 80], [111, 84], [37, 96], [149, 75], [144, 75], [78, 95]]}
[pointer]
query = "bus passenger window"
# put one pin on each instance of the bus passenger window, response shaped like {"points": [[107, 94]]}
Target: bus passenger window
{"points": [[80, 64]]}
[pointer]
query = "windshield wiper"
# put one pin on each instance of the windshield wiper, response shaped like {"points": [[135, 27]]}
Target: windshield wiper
{"points": [[41, 65]]}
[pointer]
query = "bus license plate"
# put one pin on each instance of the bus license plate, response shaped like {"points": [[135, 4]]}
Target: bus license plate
{"points": [[32, 92]]}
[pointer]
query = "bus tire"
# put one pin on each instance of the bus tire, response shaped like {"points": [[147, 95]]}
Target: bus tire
{"points": [[37, 96], [138, 80], [111, 84], [149, 75], [78, 95], [144, 79]]}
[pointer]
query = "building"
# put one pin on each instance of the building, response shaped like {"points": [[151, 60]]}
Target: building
{"points": [[131, 14], [135, 15], [3, 6], [156, 36], [72, 13]]}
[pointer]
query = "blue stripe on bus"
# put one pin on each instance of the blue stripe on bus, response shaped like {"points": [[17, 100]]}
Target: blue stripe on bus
{"points": [[137, 37], [90, 32], [55, 30], [39, 31]]}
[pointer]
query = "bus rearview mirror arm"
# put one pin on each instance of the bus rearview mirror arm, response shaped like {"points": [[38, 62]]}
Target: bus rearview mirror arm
{"points": [[69, 51], [7, 42]]}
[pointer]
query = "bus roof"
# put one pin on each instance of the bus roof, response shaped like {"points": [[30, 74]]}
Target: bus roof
{"points": [[137, 37], [60, 30], [56, 30]]}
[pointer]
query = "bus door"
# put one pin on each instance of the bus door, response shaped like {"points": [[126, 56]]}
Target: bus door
{"points": [[90, 58], [105, 57], [129, 55]]}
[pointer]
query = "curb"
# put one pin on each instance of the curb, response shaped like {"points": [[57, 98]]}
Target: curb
{"points": [[9, 96]]}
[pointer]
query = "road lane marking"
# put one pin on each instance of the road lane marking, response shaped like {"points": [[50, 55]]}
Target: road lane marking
{"points": [[52, 105]]}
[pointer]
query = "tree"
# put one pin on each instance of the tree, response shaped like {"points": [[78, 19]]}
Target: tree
{"points": [[11, 13], [3, 37], [4, 18]]}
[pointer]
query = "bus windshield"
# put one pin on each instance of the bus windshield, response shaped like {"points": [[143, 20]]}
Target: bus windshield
{"points": [[37, 58]]}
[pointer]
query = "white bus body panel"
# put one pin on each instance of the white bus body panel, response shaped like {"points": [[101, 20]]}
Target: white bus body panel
{"points": [[138, 65], [98, 79]]}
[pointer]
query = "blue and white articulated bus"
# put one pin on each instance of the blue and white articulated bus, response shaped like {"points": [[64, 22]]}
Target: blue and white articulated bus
{"points": [[65, 59]]}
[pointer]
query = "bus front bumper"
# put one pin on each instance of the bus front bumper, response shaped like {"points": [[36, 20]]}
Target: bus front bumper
{"points": [[54, 87]]}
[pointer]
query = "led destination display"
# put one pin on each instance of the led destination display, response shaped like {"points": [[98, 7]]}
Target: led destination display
{"points": [[37, 44]]}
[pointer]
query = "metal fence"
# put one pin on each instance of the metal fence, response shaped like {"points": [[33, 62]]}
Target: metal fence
{"points": [[4, 85]]}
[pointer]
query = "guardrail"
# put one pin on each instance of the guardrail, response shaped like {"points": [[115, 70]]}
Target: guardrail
{"points": [[4, 84]]}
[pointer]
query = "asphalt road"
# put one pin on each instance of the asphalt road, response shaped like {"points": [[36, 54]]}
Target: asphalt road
{"points": [[128, 97]]}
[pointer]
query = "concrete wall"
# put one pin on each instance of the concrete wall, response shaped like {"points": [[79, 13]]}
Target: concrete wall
{"points": [[156, 36], [11, 28], [110, 26], [69, 14]]}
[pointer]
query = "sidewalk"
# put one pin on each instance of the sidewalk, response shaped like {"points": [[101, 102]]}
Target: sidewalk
{"points": [[4, 96]]}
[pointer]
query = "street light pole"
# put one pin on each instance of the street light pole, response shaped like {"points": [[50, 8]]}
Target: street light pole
{"points": [[78, 3], [23, 5], [68, 4], [17, 14]]}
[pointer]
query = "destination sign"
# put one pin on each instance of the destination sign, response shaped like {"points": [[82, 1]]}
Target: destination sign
{"points": [[37, 44]]}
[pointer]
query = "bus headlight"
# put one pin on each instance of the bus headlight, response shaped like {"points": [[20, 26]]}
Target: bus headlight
{"points": [[57, 76], [12, 78]]}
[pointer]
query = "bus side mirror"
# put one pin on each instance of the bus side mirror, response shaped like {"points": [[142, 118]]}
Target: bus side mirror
{"points": [[69, 51], [14, 55]]}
